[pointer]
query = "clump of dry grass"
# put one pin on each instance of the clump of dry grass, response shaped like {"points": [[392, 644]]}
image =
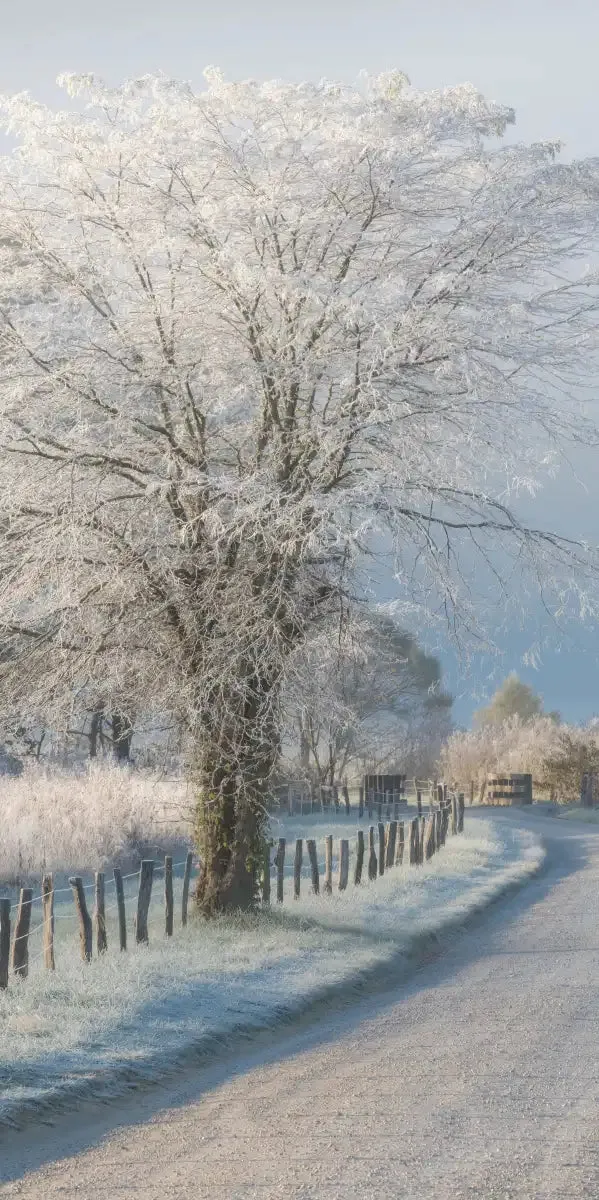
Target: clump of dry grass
{"points": [[58, 820]]}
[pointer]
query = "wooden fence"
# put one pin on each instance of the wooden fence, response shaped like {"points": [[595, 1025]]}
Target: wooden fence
{"points": [[390, 844], [15, 920]]}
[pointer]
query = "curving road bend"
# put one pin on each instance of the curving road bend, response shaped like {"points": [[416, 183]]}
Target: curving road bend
{"points": [[479, 1078]]}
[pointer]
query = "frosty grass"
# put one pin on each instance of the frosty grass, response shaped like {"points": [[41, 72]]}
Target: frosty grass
{"points": [[84, 1022]]}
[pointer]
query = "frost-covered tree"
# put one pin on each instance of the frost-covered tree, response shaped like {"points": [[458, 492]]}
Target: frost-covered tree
{"points": [[512, 699], [246, 337], [363, 695]]}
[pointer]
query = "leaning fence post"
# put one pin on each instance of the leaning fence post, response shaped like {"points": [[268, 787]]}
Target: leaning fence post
{"points": [[186, 882], [120, 900], [400, 844], [48, 919], [4, 942], [146, 875], [381, 848], [266, 877], [297, 867], [312, 855], [85, 921], [280, 869], [359, 857], [343, 863], [168, 895], [372, 863], [20, 945], [100, 914]]}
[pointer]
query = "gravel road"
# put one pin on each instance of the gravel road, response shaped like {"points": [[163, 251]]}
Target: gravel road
{"points": [[479, 1078]]}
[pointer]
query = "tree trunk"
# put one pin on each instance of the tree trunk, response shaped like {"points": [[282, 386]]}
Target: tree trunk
{"points": [[95, 732], [235, 761], [122, 736]]}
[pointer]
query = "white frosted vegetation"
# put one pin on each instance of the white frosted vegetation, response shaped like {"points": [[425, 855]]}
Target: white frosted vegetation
{"points": [[249, 336], [133, 1008], [61, 821]]}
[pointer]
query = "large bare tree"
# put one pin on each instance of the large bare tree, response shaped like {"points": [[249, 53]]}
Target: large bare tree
{"points": [[247, 336]]}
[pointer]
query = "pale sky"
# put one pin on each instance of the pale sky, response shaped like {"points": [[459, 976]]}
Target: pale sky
{"points": [[540, 56]]}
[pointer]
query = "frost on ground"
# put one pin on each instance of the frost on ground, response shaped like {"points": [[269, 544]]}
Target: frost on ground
{"points": [[575, 812], [84, 1027]]}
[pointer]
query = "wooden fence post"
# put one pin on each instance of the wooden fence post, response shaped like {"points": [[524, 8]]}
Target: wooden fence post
{"points": [[328, 864], [146, 876], [48, 919], [85, 921], [429, 837], [439, 828], [100, 914], [4, 942], [168, 895], [400, 844], [461, 812], [454, 815], [20, 945], [359, 857], [280, 869], [372, 863], [343, 863], [369, 803], [379, 808], [297, 867], [186, 882], [414, 846], [120, 900], [391, 843], [421, 840], [312, 855], [444, 824], [381, 848], [361, 804], [266, 877], [419, 802]]}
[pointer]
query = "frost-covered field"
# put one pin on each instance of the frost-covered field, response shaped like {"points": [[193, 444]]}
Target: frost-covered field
{"points": [[80, 1027], [63, 821]]}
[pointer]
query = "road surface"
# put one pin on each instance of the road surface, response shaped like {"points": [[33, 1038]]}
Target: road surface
{"points": [[479, 1078]]}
